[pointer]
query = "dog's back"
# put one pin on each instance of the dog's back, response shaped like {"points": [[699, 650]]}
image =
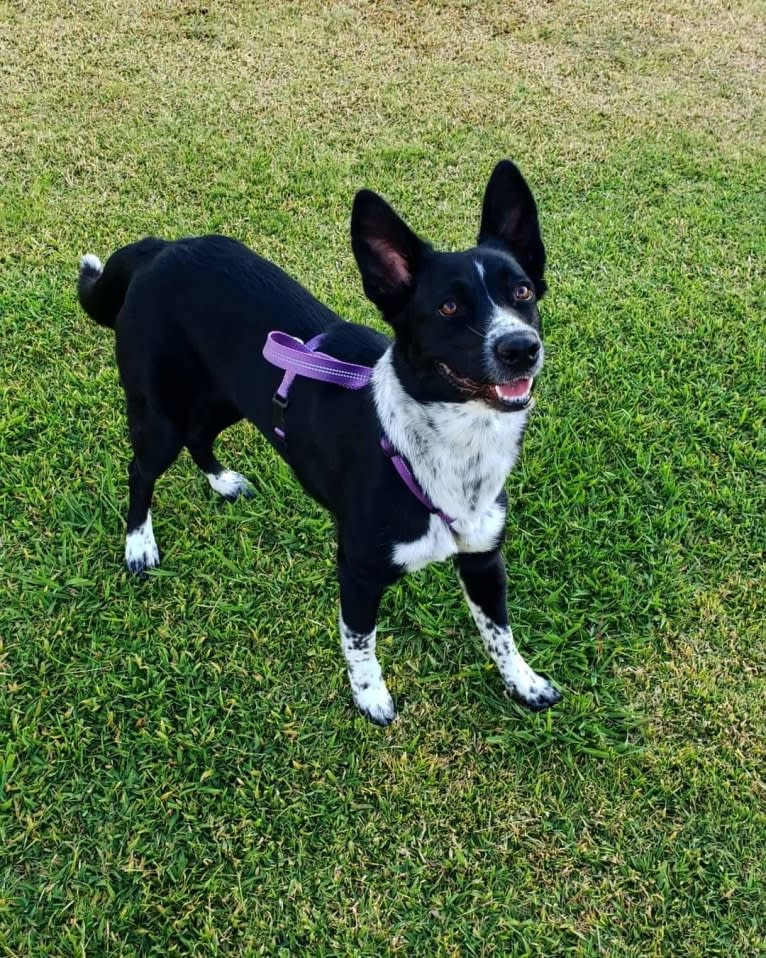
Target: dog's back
{"points": [[192, 316]]}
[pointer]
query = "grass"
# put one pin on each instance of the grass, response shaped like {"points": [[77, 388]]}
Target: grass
{"points": [[182, 770]]}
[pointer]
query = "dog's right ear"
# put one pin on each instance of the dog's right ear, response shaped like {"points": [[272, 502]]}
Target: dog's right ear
{"points": [[387, 252]]}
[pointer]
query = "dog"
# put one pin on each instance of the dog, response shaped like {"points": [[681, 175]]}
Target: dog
{"points": [[451, 394]]}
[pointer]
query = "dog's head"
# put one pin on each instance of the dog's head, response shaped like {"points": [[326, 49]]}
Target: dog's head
{"points": [[466, 324]]}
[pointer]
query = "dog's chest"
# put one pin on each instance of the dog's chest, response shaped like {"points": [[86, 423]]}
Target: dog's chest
{"points": [[441, 541], [466, 460], [460, 455], [465, 457]]}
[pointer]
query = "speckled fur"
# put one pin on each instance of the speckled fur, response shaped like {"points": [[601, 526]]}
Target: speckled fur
{"points": [[460, 454]]}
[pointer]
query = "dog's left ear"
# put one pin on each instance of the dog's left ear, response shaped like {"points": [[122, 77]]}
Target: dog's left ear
{"points": [[509, 218], [387, 252]]}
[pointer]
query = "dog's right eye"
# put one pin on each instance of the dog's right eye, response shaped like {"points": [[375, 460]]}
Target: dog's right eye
{"points": [[523, 293], [449, 308]]}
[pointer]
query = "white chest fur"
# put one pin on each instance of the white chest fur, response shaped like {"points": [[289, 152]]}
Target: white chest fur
{"points": [[442, 541], [460, 454], [436, 545]]}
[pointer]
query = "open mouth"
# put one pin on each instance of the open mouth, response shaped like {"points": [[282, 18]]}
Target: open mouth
{"points": [[513, 395]]}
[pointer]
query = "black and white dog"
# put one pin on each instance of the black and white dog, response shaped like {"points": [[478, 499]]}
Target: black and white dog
{"points": [[451, 393]]}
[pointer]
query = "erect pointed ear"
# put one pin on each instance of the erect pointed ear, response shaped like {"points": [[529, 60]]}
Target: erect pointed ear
{"points": [[509, 218], [387, 252]]}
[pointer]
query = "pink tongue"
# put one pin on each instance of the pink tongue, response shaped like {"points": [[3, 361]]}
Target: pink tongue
{"points": [[514, 390]]}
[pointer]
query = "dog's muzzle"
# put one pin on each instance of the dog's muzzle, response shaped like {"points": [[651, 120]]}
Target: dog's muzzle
{"points": [[509, 396]]}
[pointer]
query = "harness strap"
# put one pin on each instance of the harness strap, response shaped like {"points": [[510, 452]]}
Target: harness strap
{"points": [[278, 351], [302, 359], [405, 474]]}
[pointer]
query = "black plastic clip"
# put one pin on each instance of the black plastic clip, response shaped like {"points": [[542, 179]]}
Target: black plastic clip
{"points": [[278, 406]]}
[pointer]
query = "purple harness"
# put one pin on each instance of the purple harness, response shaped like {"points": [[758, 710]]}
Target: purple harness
{"points": [[302, 359]]}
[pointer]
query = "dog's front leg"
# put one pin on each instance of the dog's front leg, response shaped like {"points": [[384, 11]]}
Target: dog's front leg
{"points": [[359, 601], [482, 576]]}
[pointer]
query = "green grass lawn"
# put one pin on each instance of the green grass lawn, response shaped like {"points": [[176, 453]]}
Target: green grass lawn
{"points": [[182, 769]]}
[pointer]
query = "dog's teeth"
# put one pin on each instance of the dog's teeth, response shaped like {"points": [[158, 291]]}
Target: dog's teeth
{"points": [[509, 400]]}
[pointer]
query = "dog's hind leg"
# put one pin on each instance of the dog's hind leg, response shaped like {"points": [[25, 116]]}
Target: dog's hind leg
{"points": [[482, 576], [208, 423], [156, 443], [358, 610]]}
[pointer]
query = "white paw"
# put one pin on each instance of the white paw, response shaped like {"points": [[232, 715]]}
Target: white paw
{"points": [[141, 552], [532, 690], [375, 703], [229, 484]]}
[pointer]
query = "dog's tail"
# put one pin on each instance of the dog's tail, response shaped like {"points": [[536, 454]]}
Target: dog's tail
{"points": [[101, 289]]}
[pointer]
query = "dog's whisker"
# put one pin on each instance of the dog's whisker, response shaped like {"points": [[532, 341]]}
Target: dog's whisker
{"points": [[478, 333]]}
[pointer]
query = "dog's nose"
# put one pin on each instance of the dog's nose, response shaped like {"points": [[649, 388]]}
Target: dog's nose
{"points": [[518, 349]]}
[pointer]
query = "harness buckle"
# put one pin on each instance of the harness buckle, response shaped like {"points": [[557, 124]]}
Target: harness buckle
{"points": [[278, 406]]}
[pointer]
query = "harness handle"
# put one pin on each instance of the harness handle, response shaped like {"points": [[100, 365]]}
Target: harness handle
{"points": [[299, 358], [302, 359]]}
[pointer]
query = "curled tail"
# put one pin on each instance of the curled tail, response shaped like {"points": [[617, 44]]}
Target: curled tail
{"points": [[101, 289]]}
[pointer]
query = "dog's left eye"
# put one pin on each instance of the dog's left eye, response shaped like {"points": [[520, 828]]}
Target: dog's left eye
{"points": [[522, 293], [449, 308]]}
